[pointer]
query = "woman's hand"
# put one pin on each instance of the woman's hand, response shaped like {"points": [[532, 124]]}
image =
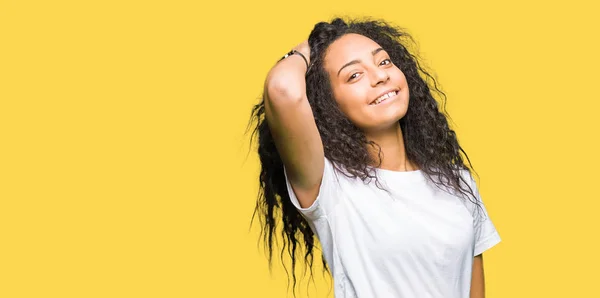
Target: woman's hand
{"points": [[304, 48]]}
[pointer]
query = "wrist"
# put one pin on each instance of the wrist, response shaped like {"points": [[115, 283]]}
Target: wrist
{"points": [[295, 52], [304, 49]]}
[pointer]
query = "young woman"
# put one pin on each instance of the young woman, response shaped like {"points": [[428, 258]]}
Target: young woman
{"points": [[356, 154]]}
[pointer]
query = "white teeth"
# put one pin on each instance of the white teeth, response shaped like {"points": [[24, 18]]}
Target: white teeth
{"points": [[384, 97]]}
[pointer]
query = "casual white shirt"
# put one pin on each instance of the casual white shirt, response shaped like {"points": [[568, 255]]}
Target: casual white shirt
{"points": [[417, 242]]}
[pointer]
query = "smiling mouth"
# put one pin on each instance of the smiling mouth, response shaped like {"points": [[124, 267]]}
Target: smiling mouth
{"points": [[384, 97]]}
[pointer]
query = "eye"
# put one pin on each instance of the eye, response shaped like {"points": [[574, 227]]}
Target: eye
{"points": [[388, 60], [353, 76]]}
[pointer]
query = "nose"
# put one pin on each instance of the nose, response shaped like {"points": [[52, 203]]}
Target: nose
{"points": [[379, 76]]}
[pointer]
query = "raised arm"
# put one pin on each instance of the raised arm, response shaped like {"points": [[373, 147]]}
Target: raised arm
{"points": [[293, 127]]}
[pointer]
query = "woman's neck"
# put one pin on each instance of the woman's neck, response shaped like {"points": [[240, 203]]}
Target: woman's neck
{"points": [[392, 149]]}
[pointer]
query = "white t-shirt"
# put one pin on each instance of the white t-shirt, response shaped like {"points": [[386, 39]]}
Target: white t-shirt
{"points": [[418, 242]]}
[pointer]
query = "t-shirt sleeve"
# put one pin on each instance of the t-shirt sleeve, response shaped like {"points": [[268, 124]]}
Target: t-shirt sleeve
{"points": [[325, 196], [486, 235]]}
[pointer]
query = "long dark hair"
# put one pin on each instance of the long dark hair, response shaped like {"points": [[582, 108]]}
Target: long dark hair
{"points": [[429, 141]]}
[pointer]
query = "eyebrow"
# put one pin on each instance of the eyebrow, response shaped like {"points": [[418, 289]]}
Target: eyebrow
{"points": [[375, 51]]}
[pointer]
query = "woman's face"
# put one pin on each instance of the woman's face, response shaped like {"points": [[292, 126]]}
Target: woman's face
{"points": [[360, 73]]}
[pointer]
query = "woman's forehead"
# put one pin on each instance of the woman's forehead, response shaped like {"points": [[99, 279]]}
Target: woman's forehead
{"points": [[349, 47]]}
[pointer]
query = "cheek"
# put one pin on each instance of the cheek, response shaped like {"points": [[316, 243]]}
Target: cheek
{"points": [[399, 75], [352, 97]]}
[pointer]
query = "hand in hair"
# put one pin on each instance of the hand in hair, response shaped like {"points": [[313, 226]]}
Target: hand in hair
{"points": [[304, 48]]}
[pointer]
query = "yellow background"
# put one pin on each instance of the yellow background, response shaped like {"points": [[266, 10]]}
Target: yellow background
{"points": [[123, 169]]}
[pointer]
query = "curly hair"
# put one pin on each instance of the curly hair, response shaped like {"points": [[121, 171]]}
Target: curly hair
{"points": [[428, 139]]}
